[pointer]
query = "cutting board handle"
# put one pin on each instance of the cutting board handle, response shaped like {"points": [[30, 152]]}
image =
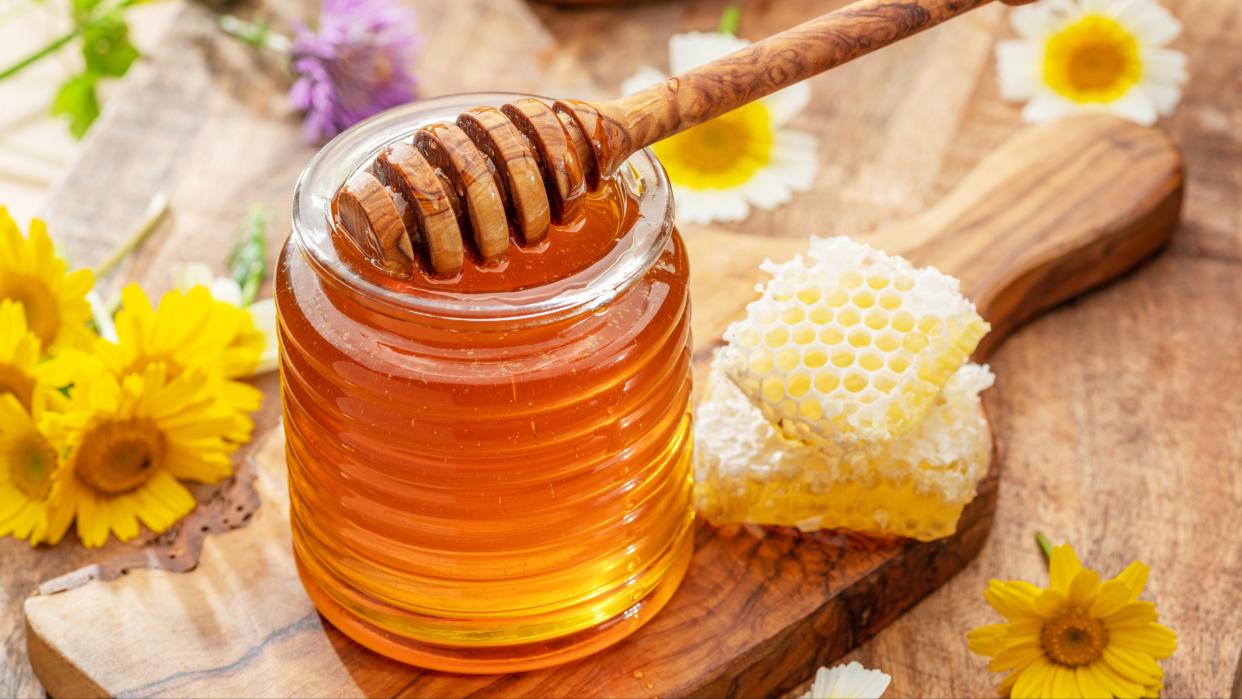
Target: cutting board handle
{"points": [[1056, 210]]}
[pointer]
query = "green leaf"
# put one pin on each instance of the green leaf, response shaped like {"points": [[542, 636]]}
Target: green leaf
{"points": [[106, 45], [78, 101], [729, 20], [248, 258]]}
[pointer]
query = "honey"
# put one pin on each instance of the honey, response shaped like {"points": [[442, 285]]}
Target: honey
{"points": [[489, 472]]}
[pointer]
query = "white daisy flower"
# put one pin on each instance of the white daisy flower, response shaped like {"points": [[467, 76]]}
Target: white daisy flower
{"points": [[1092, 56], [851, 681], [740, 159], [226, 289]]}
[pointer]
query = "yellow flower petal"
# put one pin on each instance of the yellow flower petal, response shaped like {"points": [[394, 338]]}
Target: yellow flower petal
{"points": [[1030, 682], [1114, 684], [1151, 639], [1139, 668], [1016, 656], [1050, 602], [1083, 589], [1135, 576], [987, 640], [1013, 599], [1088, 686], [1131, 615], [1064, 684], [1063, 565], [1112, 596]]}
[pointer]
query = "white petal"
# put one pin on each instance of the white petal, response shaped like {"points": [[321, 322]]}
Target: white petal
{"points": [[693, 49], [1163, 97], [188, 275], [1136, 106], [1097, 6], [852, 681], [644, 78], [765, 190], [707, 205], [101, 315], [795, 159], [1046, 106], [263, 313], [226, 289], [1018, 68], [786, 104], [1165, 66], [1151, 23], [1042, 19]]}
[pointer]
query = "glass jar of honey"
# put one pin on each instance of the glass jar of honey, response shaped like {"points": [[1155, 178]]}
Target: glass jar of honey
{"points": [[488, 473]]}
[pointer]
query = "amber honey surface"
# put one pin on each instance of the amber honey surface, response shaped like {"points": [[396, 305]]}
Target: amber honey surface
{"points": [[499, 495]]}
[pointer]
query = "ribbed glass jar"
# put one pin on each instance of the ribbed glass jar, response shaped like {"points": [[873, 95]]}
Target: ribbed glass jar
{"points": [[486, 482]]}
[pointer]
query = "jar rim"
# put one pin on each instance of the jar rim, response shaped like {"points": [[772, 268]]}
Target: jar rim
{"points": [[587, 289]]}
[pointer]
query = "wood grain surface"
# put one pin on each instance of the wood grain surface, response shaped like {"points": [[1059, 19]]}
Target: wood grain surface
{"points": [[1115, 416]]}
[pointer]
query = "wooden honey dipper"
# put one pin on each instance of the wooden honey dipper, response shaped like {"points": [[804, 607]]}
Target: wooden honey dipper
{"points": [[530, 163]]}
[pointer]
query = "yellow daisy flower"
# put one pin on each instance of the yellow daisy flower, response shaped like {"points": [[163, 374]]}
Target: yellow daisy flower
{"points": [[32, 275], [29, 465], [189, 330], [747, 157], [1092, 56], [1079, 637], [133, 439]]}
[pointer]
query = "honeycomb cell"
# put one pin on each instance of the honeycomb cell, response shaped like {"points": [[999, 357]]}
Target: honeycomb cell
{"points": [[844, 306], [848, 316], [871, 361], [787, 359]]}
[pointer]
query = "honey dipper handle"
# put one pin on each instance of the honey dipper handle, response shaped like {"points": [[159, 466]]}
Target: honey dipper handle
{"points": [[619, 128]]}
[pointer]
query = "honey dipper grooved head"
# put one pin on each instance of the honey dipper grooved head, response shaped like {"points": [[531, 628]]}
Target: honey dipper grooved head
{"points": [[429, 209], [494, 175], [373, 217]]}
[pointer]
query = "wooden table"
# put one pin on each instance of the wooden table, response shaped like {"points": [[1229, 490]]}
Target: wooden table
{"points": [[1116, 416]]}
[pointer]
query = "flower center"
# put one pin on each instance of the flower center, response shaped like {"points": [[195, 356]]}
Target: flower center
{"points": [[139, 366], [42, 312], [1092, 60], [16, 382], [32, 460], [723, 153], [120, 455], [1073, 638]]}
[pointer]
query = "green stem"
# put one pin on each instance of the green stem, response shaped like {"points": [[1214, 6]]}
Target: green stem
{"points": [[1044, 545], [729, 20], [255, 33], [37, 55], [154, 213]]}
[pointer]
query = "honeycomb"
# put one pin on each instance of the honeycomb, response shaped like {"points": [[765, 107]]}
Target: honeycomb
{"points": [[747, 471], [848, 347]]}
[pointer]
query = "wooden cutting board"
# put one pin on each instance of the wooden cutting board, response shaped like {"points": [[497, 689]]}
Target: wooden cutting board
{"points": [[1055, 211]]}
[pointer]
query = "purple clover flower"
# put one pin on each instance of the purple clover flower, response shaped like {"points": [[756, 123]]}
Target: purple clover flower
{"points": [[356, 65]]}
